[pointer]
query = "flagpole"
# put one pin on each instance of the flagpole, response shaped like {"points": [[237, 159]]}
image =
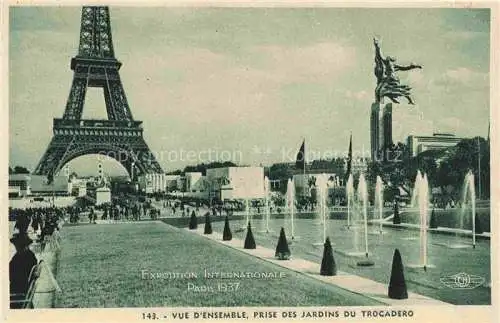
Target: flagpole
{"points": [[479, 167], [304, 140]]}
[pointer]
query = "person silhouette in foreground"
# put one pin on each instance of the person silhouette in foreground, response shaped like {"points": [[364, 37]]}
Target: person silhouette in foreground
{"points": [[20, 266]]}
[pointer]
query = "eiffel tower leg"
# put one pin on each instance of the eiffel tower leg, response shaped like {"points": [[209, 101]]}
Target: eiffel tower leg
{"points": [[116, 102], [76, 99], [50, 162]]}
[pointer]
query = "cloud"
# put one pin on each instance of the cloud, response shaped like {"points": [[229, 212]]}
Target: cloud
{"points": [[464, 35], [450, 124], [318, 61], [409, 120], [416, 77], [463, 77], [358, 95]]}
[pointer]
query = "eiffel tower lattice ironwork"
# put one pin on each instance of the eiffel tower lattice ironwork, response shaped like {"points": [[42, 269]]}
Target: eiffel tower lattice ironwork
{"points": [[120, 136]]}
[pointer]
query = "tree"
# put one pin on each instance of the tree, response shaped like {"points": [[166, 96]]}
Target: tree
{"points": [[328, 266], [208, 224], [282, 250], [454, 162], [21, 170], [477, 225], [397, 284], [193, 222], [281, 172], [339, 165], [393, 170], [433, 224], [445, 168], [249, 239], [397, 217], [10, 170], [227, 235]]}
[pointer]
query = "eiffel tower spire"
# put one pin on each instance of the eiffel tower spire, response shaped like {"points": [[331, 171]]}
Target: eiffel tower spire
{"points": [[95, 33]]}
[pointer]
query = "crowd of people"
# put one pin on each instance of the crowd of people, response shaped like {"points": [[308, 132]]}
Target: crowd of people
{"points": [[45, 223]]}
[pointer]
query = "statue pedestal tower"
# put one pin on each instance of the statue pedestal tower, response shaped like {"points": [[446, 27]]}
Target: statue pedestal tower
{"points": [[390, 87], [380, 130]]}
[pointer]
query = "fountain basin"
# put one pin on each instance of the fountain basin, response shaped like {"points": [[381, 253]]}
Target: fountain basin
{"points": [[418, 267], [377, 233], [351, 253], [454, 245], [410, 238], [365, 263]]}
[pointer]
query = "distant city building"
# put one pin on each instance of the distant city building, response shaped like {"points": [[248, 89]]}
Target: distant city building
{"points": [[151, 183], [79, 187], [418, 144], [191, 181], [19, 185], [236, 182], [181, 184], [171, 182], [61, 185]]}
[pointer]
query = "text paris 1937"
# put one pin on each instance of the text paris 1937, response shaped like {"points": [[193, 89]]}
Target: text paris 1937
{"points": [[213, 288]]}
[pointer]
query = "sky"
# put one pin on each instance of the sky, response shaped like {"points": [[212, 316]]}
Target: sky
{"points": [[248, 84]]}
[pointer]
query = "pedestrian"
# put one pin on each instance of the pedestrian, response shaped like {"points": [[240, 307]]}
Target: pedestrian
{"points": [[20, 265]]}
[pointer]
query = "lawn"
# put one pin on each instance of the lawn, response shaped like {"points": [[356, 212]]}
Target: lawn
{"points": [[101, 266]]}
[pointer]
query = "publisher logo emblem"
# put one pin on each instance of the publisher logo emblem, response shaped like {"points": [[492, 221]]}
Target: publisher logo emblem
{"points": [[462, 281]]}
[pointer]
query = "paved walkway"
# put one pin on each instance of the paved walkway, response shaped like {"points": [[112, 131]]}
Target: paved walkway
{"points": [[353, 283]]}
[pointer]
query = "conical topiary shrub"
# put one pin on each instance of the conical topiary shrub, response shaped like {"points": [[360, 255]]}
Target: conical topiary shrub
{"points": [[477, 224], [249, 240], [397, 217], [227, 235], [328, 266], [193, 222], [397, 284], [282, 250], [208, 224], [433, 222]]}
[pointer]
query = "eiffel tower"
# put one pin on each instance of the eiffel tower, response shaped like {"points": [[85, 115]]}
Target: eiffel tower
{"points": [[120, 136]]}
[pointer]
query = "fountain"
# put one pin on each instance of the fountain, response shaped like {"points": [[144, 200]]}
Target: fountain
{"points": [[360, 222], [322, 197], [416, 196], [290, 194], [379, 204], [469, 191], [468, 194], [416, 187], [421, 196], [247, 214], [363, 198], [267, 207], [350, 198]]}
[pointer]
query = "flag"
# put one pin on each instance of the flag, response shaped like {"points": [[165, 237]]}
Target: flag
{"points": [[349, 160], [301, 156], [489, 124]]}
